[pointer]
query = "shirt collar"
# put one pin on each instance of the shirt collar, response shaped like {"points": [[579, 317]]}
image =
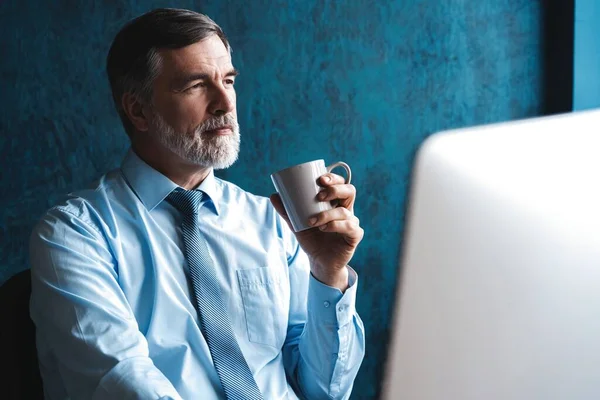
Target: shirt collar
{"points": [[211, 189], [152, 187]]}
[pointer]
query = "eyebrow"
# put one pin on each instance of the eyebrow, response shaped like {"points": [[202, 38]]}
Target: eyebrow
{"points": [[184, 80]]}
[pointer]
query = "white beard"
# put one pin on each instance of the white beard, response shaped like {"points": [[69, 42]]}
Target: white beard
{"points": [[197, 147]]}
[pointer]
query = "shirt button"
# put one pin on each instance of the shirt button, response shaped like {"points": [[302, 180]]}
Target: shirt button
{"points": [[326, 304]]}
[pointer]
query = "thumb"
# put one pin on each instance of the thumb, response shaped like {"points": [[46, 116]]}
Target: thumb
{"points": [[278, 205]]}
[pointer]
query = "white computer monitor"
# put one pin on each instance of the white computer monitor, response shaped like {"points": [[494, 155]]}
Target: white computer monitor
{"points": [[499, 286]]}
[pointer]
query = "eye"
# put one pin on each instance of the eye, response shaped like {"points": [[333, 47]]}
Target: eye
{"points": [[197, 86], [229, 81]]}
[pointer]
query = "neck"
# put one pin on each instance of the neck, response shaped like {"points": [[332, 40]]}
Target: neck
{"points": [[185, 174]]}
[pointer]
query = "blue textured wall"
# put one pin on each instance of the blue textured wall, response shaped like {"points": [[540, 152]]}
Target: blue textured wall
{"points": [[361, 81], [586, 85]]}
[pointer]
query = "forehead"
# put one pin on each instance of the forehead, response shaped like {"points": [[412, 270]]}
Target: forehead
{"points": [[208, 55]]}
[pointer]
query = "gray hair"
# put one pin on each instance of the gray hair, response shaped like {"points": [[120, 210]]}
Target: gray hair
{"points": [[133, 61]]}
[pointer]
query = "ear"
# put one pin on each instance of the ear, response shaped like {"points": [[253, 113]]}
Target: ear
{"points": [[134, 109]]}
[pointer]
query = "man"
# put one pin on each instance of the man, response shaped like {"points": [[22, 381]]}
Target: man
{"points": [[163, 281]]}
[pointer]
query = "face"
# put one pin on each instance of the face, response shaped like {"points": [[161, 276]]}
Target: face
{"points": [[193, 106]]}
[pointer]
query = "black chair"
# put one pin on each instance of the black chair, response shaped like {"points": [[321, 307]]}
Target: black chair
{"points": [[20, 377]]}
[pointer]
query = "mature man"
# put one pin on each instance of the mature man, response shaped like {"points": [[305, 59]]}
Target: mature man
{"points": [[163, 281]]}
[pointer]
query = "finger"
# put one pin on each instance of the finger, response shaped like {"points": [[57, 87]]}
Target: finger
{"points": [[278, 205], [338, 213], [351, 232], [337, 192], [330, 179]]}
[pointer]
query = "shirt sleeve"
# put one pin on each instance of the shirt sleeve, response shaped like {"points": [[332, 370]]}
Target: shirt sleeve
{"points": [[82, 317], [325, 344]]}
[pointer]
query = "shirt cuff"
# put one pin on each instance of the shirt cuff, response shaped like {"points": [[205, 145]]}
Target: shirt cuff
{"points": [[135, 377], [329, 304]]}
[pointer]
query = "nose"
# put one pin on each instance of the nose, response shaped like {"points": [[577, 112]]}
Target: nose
{"points": [[222, 103]]}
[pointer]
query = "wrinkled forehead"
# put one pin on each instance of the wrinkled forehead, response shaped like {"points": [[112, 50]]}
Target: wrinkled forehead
{"points": [[209, 56]]}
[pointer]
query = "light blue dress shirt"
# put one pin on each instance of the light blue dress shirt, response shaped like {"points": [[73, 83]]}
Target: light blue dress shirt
{"points": [[111, 299]]}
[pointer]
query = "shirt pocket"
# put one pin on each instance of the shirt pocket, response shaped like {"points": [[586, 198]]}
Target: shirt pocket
{"points": [[265, 305]]}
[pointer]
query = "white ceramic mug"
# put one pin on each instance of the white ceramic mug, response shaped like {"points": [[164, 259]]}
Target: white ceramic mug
{"points": [[297, 186]]}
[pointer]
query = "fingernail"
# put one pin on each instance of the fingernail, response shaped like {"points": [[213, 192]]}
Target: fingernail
{"points": [[323, 227], [326, 178], [322, 195], [313, 220]]}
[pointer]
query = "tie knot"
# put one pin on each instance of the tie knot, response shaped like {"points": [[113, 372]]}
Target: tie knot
{"points": [[186, 201]]}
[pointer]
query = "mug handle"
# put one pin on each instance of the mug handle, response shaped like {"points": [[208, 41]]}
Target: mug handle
{"points": [[343, 165]]}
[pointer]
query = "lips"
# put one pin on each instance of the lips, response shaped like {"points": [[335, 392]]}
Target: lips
{"points": [[222, 130]]}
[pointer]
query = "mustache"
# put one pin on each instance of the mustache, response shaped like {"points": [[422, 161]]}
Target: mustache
{"points": [[212, 123]]}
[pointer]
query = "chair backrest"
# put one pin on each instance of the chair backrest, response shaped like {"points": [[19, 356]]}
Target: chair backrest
{"points": [[20, 377]]}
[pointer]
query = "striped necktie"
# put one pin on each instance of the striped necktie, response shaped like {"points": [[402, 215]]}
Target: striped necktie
{"points": [[233, 371]]}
